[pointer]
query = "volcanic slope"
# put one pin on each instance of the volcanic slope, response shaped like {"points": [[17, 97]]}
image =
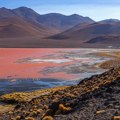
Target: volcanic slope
{"points": [[94, 98]]}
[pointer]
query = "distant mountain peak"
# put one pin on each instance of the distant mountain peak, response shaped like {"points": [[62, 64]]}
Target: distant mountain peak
{"points": [[110, 21], [53, 14], [24, 9], [4, 8], [57, 21], [75, 15]]}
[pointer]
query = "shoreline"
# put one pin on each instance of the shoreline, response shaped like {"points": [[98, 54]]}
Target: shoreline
{"points": [[85, 87], [55, 82]]}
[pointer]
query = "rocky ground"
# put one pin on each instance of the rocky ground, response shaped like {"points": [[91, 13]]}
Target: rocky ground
{"points": [[102, 104], [94, 98]]}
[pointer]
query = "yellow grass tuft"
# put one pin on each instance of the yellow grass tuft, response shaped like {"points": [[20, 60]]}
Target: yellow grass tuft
{"points": [[100, 112], [18, 117], [48, 118], [28, 96], [29, 118], [116, 118], [63, 109]]}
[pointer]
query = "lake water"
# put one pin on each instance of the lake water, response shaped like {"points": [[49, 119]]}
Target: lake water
{"points": [[32, 69]]}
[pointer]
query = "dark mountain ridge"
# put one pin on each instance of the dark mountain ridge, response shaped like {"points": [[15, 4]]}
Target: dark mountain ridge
{"points": [[54, 20], [105, 40], [63, 22], [43, 30], [110, 21], [87, 31]]}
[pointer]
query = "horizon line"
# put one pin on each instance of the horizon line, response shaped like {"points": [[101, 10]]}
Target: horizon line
{"points": [[59, 13]]}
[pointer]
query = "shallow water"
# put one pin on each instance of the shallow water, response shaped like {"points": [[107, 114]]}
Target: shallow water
{"points": [[32, 69]]}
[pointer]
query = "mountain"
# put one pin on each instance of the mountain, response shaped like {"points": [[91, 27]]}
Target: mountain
{"points": [[22, 22], [109, 21], [89, 31], [63, 22], [53, 20], [74, 30], [27, 14], [15, 27], [105, 40], [23, 27], [4, 12]]}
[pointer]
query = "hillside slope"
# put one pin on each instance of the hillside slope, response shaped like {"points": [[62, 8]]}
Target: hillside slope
{"points": [[89, 31], [115, 39], [13, 27], [94, 98], [52, 20], [63, 22], [101, 104]]}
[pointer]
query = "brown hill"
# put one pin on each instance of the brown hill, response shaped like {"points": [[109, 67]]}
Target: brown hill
{"points": [[105, 40], [4, 12], [27, 14], [110, 21], [63, 22], [13, 27], [52, 20], [24, 22], [89, 31]]}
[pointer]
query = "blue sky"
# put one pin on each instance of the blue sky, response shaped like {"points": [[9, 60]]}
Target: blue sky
{"points": [[96, 9]]}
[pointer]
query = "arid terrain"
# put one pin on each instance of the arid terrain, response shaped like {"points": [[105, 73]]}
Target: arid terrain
{"points": [[90, 99], [95, 97], [77, 80], [25, 28], [34, 69]]}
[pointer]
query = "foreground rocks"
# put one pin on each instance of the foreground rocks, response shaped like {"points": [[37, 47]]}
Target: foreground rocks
{"points": [[101, 104], [95, 98]]}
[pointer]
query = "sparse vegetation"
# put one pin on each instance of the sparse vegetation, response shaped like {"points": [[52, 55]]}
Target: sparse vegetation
{"points": [[62, 109], [116, 118], [28, 96], [59, 101], [47, 118], [115, 62], [110, 64], [18, 118], [29, 118], [100, 112]]}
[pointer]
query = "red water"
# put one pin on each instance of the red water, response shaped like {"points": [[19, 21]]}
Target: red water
{"points": [[10, 68]]}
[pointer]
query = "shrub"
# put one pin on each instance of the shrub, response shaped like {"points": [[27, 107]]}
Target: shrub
{"points": [[18, 117], [70, 95], [45, 107], [39, 111], [48, 118], [10, 112], [76, 93], [34, 107], [64, 109], [29, 118], [100, 111], [35, 113], [116, 118]]}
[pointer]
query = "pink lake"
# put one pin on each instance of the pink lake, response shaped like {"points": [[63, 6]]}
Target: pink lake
{"points": [[46, 63], [32, 69]]}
